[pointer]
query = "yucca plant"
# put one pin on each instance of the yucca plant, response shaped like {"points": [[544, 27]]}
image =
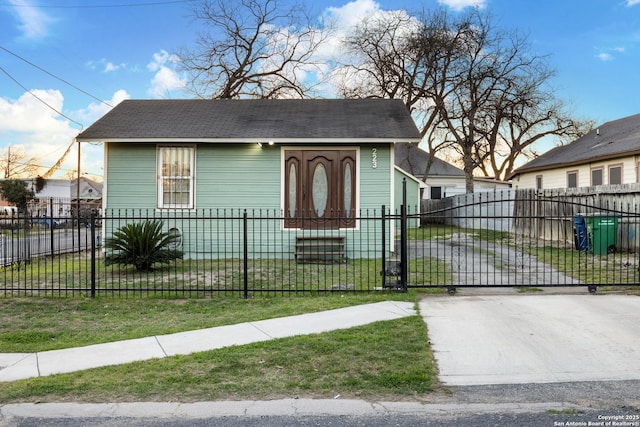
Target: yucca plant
{"points": [[142, 245]]}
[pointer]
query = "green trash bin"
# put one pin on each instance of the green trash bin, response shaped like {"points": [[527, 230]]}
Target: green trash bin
{"points": [[603, 234]]}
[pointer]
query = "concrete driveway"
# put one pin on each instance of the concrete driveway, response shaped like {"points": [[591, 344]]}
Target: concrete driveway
{"points": [[515, 339]]}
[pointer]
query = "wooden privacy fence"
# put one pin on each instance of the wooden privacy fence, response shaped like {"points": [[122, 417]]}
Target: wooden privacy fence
{"points": [[546, 215]]}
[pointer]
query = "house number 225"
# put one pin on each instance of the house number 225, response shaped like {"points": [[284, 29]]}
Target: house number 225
{"points": [[374, 158]]}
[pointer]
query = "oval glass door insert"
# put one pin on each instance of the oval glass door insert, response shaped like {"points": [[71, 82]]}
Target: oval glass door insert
{"points": [[320, 189], [292, 190], [347, 190]]}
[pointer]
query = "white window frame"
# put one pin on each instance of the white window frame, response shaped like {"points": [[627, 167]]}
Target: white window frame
{"points": [[160, 178]]}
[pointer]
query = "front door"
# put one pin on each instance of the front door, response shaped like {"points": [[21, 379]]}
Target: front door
{"points": [[320, 188]]}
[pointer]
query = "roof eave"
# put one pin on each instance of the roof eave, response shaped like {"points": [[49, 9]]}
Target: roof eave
{"points": [[521, 171], [433, 175], [251, 140]]}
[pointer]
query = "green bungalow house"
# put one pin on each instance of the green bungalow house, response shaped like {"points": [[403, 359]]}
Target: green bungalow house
{"points": [[310, 166]]}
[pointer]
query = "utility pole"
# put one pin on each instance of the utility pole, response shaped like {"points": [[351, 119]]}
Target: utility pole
{"points": [[6, 170], [78, 198]]}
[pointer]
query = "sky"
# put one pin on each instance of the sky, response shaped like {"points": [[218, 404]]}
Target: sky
{"points": [[65, 63]]}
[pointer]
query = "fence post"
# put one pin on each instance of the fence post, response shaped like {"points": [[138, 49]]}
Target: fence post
{"points": [[93, 254], [245, 254], [26, 256], [384, 249], [403, 237], [51, 219], [78, 229]]}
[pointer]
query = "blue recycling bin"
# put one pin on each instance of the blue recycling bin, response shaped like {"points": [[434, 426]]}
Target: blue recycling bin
{"points": [[580, 235]]}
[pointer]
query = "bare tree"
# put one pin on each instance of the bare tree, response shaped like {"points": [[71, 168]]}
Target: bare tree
{"points": [[15, 163], [395, 55], [472, 87], [515, 126], [251, 48], [502, 103]]}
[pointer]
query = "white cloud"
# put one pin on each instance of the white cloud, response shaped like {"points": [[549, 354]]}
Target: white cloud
{"points": [[107, 66], [110, 66], [350, 14], [461, 4], [96, 110], [161, 58], [343, 20], [28, 114], [44, 134], [603, 56], [166, 79], [607, 54], [632, 2], [36, 128], [33, 23]]}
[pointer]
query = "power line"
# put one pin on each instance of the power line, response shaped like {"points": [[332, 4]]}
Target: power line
{"points": [[52, 152], [40, 99], [100, 6], [54, 76]]}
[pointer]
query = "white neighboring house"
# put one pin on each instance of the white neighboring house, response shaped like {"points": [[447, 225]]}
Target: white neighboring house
{"points": [[59, 197], [52, 200], [54, 188], [444, 179], [608, 155]]}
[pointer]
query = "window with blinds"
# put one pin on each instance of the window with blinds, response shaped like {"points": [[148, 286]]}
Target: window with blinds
{"points": [[176, 173]]}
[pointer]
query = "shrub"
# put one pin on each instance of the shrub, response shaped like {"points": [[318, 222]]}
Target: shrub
{"points": [[142, 245]]}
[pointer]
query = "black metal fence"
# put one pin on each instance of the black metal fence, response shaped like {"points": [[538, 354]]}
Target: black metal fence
{"points": [[224, 252], [530, 238], [522, 239]]}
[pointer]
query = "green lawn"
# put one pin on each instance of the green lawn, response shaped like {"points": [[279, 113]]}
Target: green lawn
{"points": [[70, 275], [390, 360], [611, 269]]}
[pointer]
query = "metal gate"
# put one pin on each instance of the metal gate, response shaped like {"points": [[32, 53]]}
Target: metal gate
{"points": [[521, 238]]}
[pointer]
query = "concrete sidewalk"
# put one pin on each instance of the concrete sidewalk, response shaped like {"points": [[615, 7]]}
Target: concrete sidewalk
{"points": [[16, 366]]}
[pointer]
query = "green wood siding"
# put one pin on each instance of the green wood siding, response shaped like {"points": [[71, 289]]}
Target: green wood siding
{"points": [[413, 196], [375, 188], [238, 177], [131, 175]]}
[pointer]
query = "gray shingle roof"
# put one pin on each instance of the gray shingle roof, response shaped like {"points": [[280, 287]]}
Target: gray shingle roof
{"points": [[204, 119], [618, 138], [413, 159]]}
